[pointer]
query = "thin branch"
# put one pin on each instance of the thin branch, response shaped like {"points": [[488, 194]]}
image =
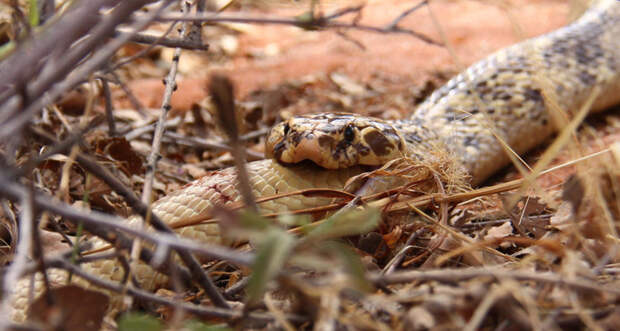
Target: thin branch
{"points": [[42, 91], [199, 275], [21, 66], [166, 239], [197, 142], [163, 41], [101, 225], [459, 275], [109, 110], [142, 52], [24, 249], [203, 311], [58, 147], [404, 14], [314, 24]]}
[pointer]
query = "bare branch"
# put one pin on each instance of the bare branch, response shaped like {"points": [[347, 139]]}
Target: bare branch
{"points": [[42, 92], [163, 41], [199, 275], [459, 275], [194, 309], [313, 24], [109, 111], [24, 249]]}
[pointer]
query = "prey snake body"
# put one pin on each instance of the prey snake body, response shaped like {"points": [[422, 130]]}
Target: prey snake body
{"points": [[503, 96]]}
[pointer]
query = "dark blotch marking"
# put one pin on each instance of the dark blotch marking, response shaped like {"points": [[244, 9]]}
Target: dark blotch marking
{"points": [[296, 137], [378, 143], [361, 149], [326, 141], [533, 94], [586, 78], [278, 149], [349, 133]]}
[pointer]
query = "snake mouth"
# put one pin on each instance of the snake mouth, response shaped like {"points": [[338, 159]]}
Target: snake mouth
{"points": [[306, 150]]}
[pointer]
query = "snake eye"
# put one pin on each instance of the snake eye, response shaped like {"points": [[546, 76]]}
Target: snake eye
{"points": [[286, 128], [349, 133]]}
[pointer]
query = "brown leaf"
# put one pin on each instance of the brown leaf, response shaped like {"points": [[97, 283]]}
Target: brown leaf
{"points": [[121, 150], [573, 192], [74, 309], [73, 103], [524, 216]]}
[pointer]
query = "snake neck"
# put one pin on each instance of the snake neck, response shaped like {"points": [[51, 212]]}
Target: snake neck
{"points": [[507, 98]]}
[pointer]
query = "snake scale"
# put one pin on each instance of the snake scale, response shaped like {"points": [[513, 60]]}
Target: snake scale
{"points": [[502, 96]]}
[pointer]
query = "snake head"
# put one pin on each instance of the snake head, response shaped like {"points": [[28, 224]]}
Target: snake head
{"points": [[334, 141]]}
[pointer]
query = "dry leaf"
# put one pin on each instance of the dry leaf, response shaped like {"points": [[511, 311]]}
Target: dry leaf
{"points": [[74, 309]]}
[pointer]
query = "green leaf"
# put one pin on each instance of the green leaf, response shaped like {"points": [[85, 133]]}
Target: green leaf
{"points": [[33, 13], [194, 325], [271, 255], [348, 223], [251, 220], [139, 322]]}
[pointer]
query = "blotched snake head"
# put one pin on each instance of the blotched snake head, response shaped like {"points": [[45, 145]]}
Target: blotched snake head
{"points": [[334, 141]]}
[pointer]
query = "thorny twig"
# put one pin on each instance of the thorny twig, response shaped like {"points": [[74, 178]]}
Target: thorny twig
{"points": [[200, 276]]}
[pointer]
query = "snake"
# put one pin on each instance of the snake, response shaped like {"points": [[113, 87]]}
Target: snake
{"points": [[505, 99]]}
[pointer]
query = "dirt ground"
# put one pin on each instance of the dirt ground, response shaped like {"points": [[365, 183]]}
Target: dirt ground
{"points": [[267, 55], [473, 29]]}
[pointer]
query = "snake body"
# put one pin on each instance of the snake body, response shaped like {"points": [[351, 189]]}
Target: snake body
{"points": [[503, 96]]}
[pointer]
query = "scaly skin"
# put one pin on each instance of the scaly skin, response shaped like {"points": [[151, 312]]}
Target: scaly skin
{"points": [[195, 199], [500, 93]]}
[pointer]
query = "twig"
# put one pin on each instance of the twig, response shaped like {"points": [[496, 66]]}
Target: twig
{"points": [[344, 11], [24, 248], [20, 66], [148, 128], [137, 206], [42, 91], [194, 309], [211, 145], [142, 52], [316, 23], [163, 41], [404, 14], [109, 110], [58, 147], [130, 96], [458, 275], [199, 275], [96, 223]]}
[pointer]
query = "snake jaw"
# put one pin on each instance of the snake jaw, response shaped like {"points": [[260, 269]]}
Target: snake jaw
{"points": [[334, 141]]}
